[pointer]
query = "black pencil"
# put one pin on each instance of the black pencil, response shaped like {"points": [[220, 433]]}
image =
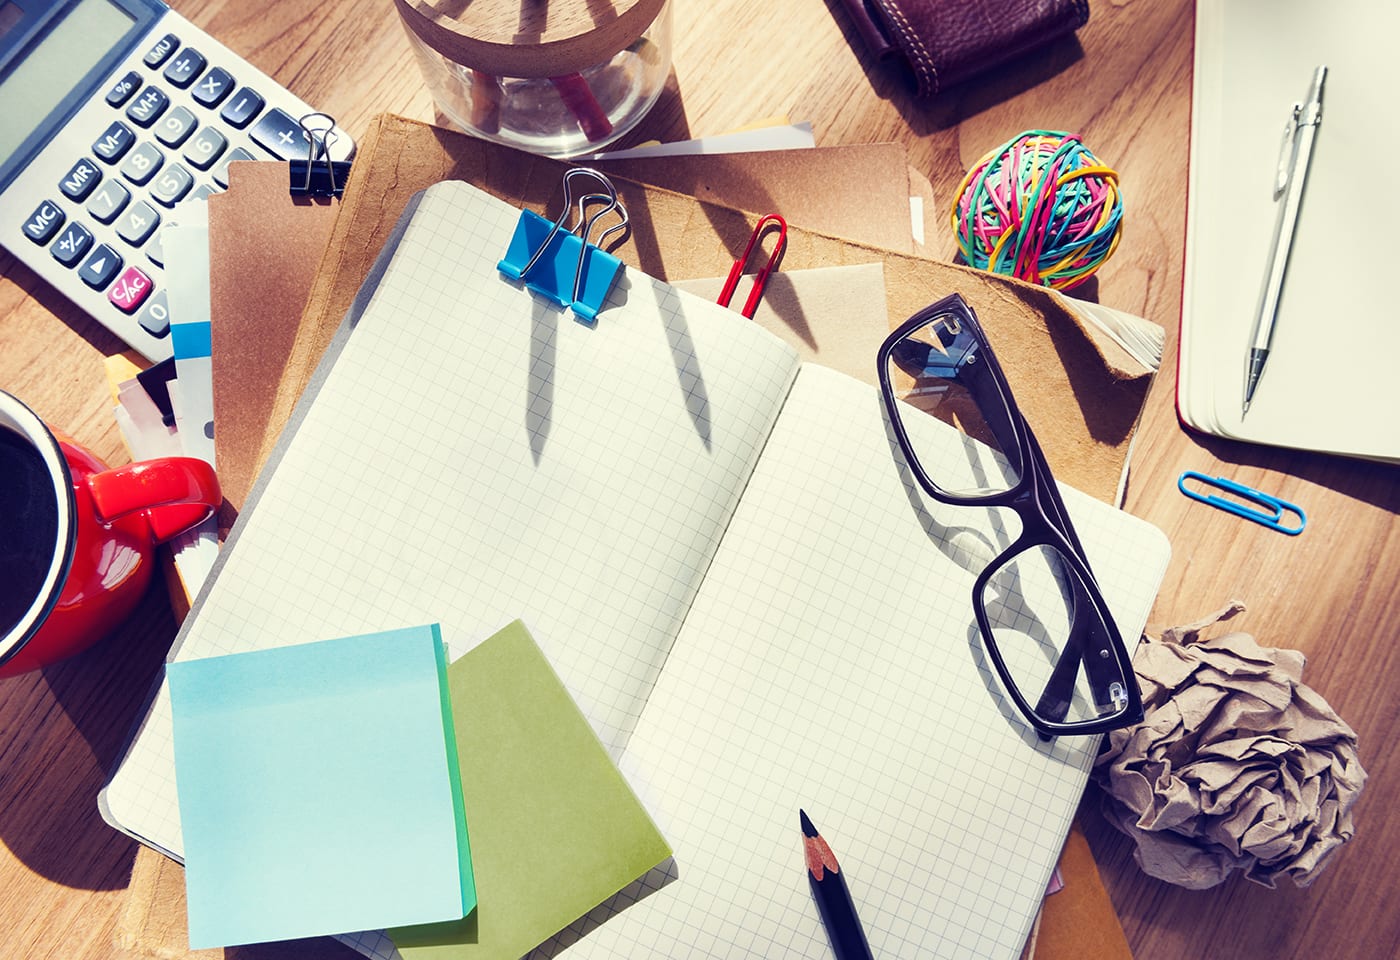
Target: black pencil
{"points": [[833, 897]]}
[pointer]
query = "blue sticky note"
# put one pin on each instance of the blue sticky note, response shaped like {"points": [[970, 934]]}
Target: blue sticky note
{"points": [[319, 790]]}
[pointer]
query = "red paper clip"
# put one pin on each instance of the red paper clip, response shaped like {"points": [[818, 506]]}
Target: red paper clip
{"points": [[761, 278]]}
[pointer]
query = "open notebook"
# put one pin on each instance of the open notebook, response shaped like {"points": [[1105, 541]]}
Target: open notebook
{"points": [[722, 554]]}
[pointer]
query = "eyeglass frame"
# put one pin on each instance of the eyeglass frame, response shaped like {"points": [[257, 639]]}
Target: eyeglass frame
{"points": [[1044, 523]]}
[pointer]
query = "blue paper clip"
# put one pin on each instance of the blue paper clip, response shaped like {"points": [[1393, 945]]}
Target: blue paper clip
{"points": [[540, 252], [1252, 504]]}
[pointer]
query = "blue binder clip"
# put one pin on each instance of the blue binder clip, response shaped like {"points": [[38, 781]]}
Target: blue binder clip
{"points": [[562, 264], [1251, 504]]}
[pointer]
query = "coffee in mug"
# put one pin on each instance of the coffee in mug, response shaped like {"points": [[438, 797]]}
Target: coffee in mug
{"points": [[77, 539]]}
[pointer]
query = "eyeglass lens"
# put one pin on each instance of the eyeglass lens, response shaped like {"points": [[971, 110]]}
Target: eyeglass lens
{"points": [[1052, 638], [938, 370]]}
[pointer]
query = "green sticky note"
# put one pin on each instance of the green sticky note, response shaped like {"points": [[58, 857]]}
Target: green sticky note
{"points": [[556, 830], [319, 790]]}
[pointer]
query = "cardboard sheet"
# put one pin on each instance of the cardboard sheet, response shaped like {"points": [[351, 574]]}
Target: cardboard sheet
{"points": [[264, 247]]}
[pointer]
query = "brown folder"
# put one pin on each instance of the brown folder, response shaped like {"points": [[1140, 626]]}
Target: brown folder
{"points": [[264, 247], [1081, 392]]}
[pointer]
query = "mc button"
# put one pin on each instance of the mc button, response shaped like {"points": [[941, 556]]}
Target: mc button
{"points": [[43, 222]]}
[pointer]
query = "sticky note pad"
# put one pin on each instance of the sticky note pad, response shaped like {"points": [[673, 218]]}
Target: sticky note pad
{"points": [[556, 829], [319, 790]]}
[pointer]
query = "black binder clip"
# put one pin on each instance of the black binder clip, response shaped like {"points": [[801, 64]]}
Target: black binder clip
{"points": [[318, 175], [562, 264]]}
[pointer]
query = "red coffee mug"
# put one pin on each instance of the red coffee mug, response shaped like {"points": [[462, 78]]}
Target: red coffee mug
{"points": [[77, 539]]}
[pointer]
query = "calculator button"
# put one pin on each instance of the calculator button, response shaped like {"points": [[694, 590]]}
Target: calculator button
{"points": [[241, 110], [44, 222], [71, 244], [176, 126], [143, 163], [130, 291], [108, 201], [155, 252], [221, 173], [171, 186], [281, 134], [164, 47], [101, 267], [206, 147], [210, 91], [115, 141], [137, 223], [185, 67], [155, 319], [80, 180], [123, 89], [203, 192], [146, 108]]}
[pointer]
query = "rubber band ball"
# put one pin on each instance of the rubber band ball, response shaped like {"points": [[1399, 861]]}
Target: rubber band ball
{"points": [[1040, 207]]}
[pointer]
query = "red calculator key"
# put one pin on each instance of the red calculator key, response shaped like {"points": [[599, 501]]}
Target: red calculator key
{"points": [[130, 291]]}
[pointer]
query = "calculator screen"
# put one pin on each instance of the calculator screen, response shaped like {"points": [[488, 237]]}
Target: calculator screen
{"points": [[36, 85]]}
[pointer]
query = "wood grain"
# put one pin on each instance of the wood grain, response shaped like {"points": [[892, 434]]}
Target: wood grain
{"points": [[1124, 84]]}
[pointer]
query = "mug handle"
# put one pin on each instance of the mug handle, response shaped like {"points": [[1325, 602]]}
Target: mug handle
{"points": [[175, 492]]}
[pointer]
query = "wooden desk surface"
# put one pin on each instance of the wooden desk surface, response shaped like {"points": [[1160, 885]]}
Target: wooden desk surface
{"points": [[1124, 84]]}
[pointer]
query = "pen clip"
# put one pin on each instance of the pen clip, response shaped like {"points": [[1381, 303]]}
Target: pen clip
{"points": [[1285, 150], [1262, 508]]}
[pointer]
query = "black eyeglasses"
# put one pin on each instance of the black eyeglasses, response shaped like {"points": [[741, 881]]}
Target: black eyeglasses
{"points": [[1043, 620]]}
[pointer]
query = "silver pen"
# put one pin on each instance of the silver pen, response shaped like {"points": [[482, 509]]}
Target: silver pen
{"points": [[1298, 136]]}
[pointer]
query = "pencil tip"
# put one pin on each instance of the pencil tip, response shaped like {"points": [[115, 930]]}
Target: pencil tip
{"points": [[807, 828]]}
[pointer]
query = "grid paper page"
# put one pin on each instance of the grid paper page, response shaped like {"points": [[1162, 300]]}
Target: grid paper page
{"points": [[476, 456], [831, 662]]}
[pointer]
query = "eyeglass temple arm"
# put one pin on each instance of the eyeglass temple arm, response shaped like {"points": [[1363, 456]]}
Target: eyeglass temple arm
{"points": [[1102, 671], [1100, 666]]}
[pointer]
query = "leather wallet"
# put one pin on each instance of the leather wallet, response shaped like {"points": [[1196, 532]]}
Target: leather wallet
{"points": [[946, 41]]}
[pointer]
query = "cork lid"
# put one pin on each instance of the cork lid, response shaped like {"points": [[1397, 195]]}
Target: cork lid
{"points": [[528, 38]]}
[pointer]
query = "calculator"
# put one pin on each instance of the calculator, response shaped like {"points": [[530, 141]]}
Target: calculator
{"points": [[115, 112]]}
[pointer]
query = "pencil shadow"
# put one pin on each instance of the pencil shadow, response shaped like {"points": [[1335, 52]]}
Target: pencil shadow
{"points": [[62, 729], [539, 408], [686, 361]]}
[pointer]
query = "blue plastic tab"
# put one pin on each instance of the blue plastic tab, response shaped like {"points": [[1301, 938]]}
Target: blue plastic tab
{"points": [[553, 275], [191, 340]]}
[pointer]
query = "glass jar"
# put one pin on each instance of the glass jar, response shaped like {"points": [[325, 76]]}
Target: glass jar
{"points": [[559, 78]]}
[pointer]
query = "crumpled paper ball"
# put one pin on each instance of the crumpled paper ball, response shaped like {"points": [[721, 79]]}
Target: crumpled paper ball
{"points": [[1237, 765]]}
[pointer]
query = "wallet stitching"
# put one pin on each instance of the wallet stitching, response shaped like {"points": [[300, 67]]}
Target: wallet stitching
{"points": [[919, 57]]}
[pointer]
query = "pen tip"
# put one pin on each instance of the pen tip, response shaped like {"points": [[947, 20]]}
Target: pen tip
{"points": [[807, 828]]}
